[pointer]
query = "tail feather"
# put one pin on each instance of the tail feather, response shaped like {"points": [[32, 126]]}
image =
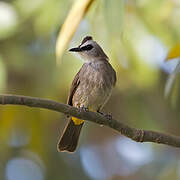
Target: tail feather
{"points": [[70, 137]]}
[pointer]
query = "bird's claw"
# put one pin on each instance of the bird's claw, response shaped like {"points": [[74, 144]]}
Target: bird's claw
{"points": [[83, 108], [101, 113], [108, 115]]}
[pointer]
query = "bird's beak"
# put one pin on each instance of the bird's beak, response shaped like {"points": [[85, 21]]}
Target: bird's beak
{"points": [[77, 49]]}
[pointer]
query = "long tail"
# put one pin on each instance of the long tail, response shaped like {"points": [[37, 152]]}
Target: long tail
{"points": [[70, 137]]}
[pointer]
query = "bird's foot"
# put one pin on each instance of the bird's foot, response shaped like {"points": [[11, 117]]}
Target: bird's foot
{"points": [[83, 108], [108, 115]]}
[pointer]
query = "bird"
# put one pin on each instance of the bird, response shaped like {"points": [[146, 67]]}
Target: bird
{"points": [[90, 89]]}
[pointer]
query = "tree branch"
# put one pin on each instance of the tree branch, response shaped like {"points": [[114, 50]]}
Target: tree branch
{"points": [[135, 134]]}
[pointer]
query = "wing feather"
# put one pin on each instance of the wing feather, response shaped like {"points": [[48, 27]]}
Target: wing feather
{"points": [[75, 85]]}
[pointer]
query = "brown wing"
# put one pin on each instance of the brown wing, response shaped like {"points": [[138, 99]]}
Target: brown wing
{"points": [[74, 86]]}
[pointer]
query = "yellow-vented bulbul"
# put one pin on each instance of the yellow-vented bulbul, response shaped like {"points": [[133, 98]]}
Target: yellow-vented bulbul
{"points": [[91, 88]]}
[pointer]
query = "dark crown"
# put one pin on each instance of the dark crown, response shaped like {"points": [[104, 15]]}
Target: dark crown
{"points": [[87, 38]]}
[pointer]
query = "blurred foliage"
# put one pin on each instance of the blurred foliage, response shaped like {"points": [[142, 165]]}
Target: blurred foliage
{"points": [[137, 36], [78, 10], [174, 52]]}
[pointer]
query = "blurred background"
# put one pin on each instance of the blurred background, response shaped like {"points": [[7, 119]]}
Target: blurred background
{"points": [[137, 36]]}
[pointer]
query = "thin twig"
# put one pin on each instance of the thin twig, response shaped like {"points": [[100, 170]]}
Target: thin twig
{"points": [[135, 134]]}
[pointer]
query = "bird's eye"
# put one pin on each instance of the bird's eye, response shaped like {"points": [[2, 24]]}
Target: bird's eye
{"points": [[86, 48]]}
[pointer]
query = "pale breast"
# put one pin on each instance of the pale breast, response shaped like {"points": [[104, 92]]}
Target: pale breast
{"points": [[96, 82]]}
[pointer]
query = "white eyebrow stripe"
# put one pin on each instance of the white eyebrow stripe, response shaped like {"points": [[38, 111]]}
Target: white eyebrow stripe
{"points": [[87, 43]]}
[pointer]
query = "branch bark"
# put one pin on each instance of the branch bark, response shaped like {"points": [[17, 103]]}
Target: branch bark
{"points": [[138, 135]]}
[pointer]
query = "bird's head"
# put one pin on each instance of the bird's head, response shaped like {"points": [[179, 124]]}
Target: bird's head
{"points": [[89, 50]]}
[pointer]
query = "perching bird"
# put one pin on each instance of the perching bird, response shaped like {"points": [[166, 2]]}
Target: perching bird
{"points": [[91, 88]]}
